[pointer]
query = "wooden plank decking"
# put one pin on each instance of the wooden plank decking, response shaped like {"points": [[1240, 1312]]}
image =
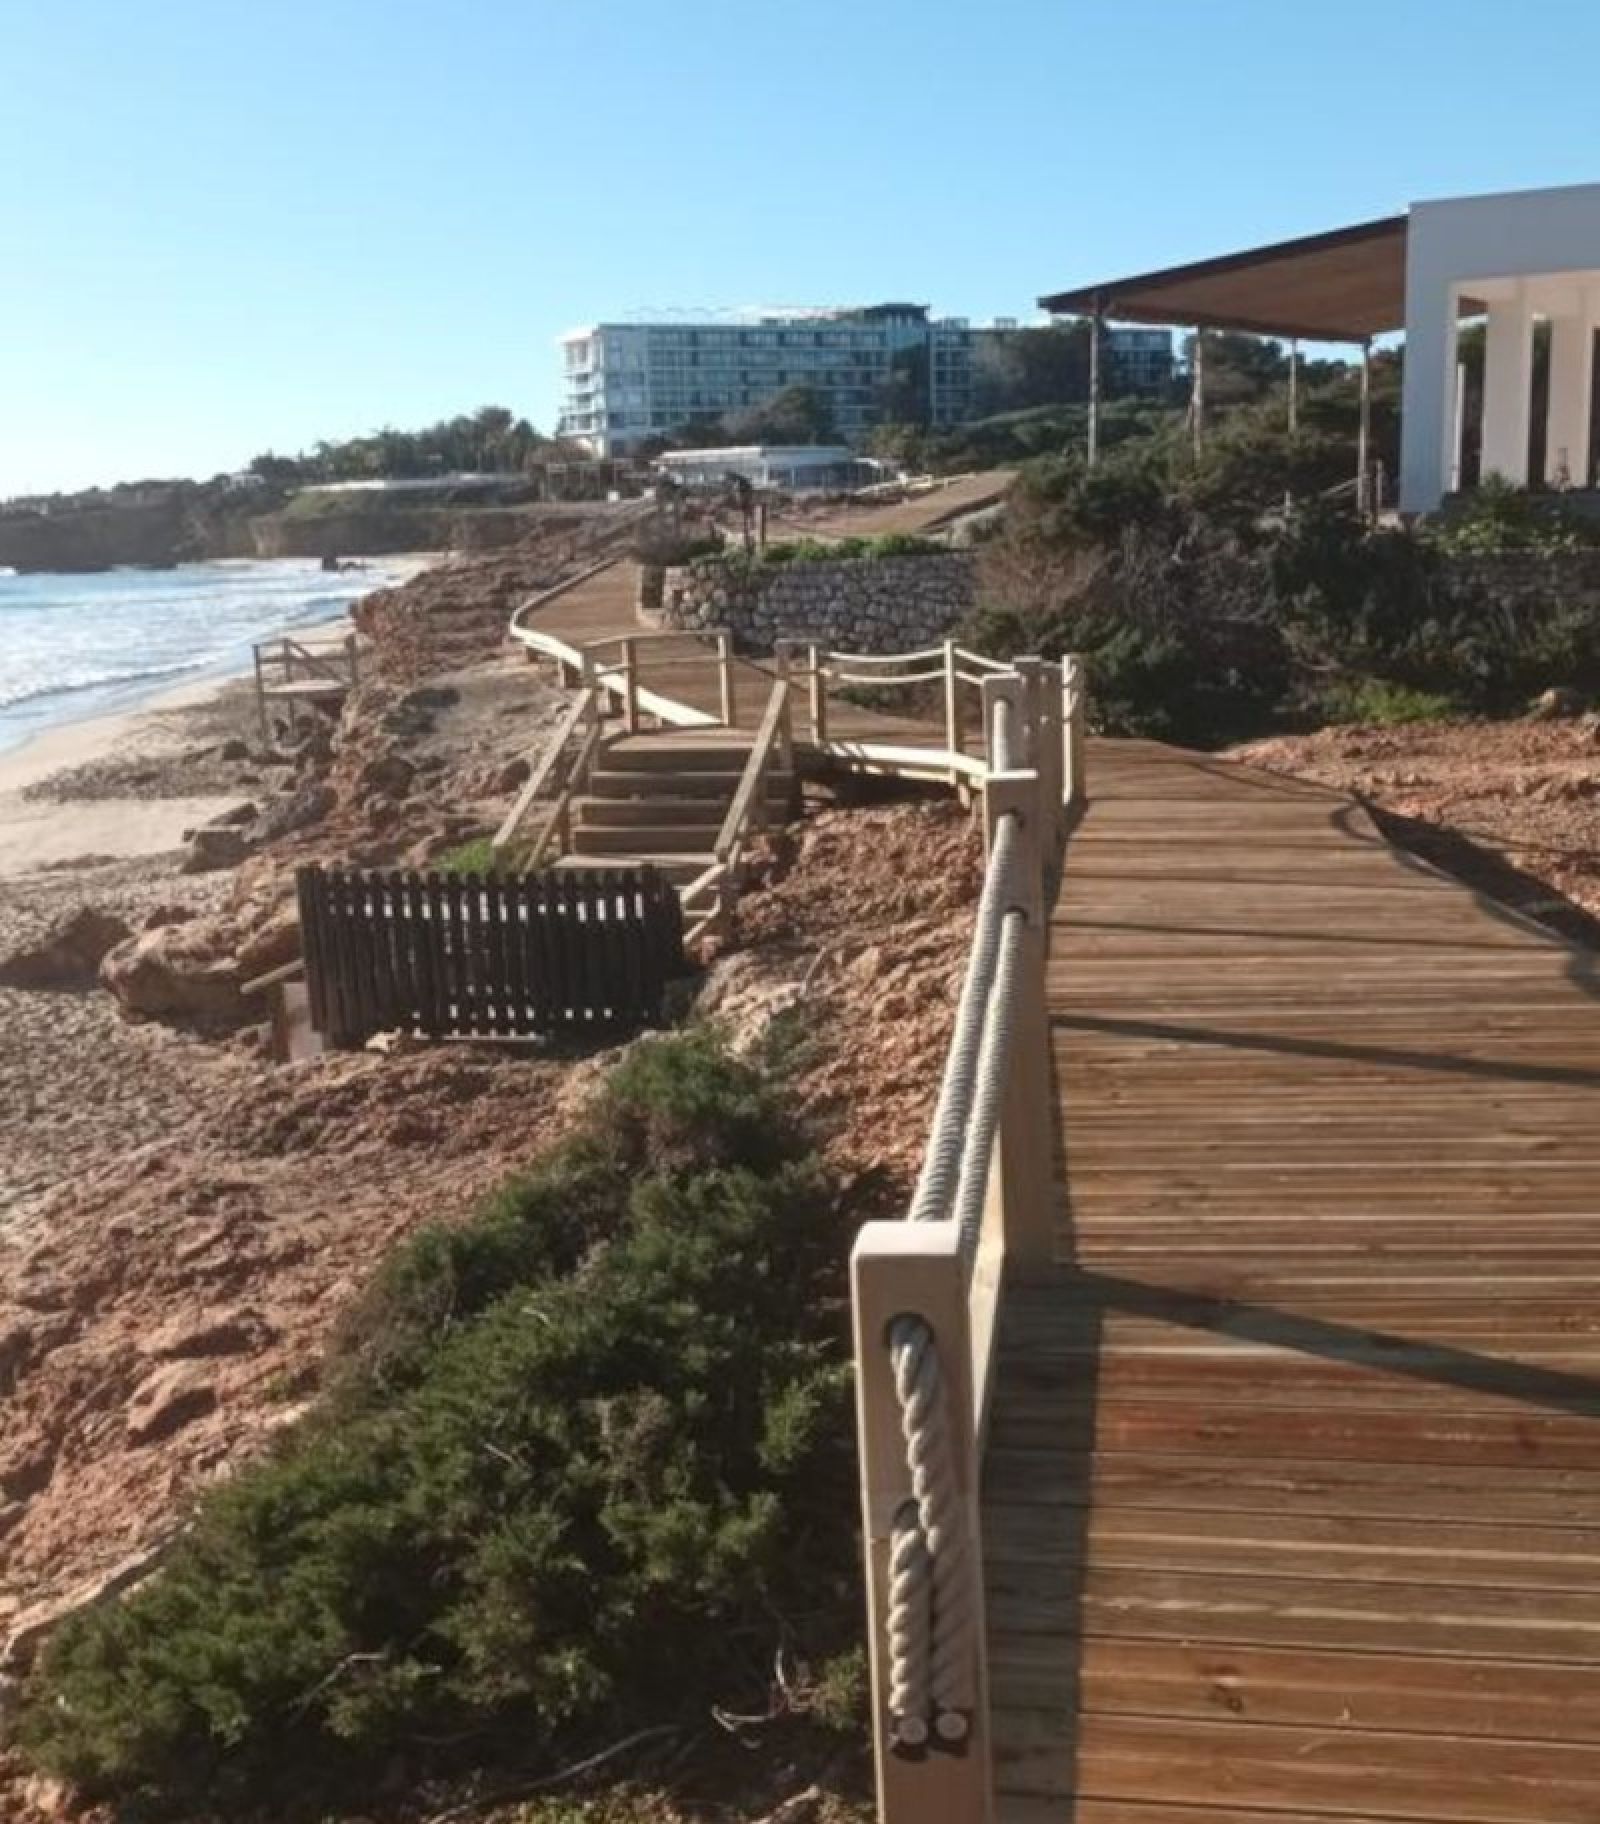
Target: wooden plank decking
{"points": [[1292, 1497]]}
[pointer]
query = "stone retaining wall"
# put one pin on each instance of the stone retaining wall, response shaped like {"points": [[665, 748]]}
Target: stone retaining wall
{"points": [[877, 604]]}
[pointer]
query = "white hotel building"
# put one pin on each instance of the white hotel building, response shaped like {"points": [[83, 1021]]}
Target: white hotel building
{"points": [[627, 382]]}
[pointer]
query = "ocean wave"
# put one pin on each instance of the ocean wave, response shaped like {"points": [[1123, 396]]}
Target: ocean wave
{"points": [[103, 680]]}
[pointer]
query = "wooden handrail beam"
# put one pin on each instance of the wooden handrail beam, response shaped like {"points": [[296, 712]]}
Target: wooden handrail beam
{"points": [[581, 710]]}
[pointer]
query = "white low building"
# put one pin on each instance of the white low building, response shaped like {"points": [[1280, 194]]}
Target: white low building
{"points": [[1513, 259], [792, 467]]}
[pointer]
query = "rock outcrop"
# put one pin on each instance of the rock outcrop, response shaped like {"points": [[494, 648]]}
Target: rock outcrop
{"points": [[186, 972], [68, 955]]}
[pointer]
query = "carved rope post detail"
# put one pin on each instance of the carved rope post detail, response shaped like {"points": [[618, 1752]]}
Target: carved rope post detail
{"points": [[915, 1270]]}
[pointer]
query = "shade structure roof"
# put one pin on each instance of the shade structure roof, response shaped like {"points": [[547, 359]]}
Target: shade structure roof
{"points": [[1338, 287]]}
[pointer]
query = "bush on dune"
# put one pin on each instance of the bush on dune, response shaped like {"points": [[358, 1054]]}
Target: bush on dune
{"points": [[582, 1463]]}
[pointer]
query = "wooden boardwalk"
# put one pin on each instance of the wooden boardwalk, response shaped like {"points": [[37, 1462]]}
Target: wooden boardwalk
{"points": [[1292, 1501]]}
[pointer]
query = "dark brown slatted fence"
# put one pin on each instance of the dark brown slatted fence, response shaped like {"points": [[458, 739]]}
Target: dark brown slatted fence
{"points": [[452, 955]]}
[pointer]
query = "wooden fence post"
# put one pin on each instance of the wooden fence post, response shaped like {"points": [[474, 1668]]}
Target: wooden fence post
{"points": [[953, 735], [819, 696], [630, 685], [915, 1268], [725, 674]]}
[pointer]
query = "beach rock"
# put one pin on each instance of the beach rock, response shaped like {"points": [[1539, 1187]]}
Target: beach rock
{"points": [[68, 955], [513, 776], [168, 1400], [307, 804], [386, 775], [234, 749], [199, 1334], [1557, 703], [215, 845], [178, 972], [235, 817], [271, 945]]}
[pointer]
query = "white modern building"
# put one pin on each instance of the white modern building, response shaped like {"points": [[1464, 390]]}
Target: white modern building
{"points": [[1515, 260], [625, 383]]}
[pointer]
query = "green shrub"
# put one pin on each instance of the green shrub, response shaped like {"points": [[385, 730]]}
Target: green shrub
{"points": [[1377, 701], [587, 1458], [475, 856], [1498, 516]]}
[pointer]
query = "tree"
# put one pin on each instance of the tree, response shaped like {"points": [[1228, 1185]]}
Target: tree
{"points": [[799, 414], [1031, 367]]}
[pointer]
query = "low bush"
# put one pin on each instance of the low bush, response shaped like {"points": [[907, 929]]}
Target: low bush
{"points": [[1379, 702], [846, 550], [474, 856], [583, 1462]]}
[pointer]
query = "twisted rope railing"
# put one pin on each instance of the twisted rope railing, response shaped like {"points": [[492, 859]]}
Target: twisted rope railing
{"points": [[932, 1618]]}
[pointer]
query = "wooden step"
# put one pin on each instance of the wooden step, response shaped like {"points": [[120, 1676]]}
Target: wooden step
{"points": [[658, 838], [726, 758], [636, 813], [679, 869], [638, 782]]}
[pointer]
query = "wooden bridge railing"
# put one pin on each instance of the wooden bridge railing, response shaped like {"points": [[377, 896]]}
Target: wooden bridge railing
{"points": [[621, 675], [927, 1291], [709, 897], [290, 670], [559, 777]]}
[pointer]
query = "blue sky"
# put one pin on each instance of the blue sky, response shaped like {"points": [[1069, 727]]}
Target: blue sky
{"points": [[224, 228]]}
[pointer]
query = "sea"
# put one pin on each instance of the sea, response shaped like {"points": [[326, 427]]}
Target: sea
{"points": [[73, 647]]}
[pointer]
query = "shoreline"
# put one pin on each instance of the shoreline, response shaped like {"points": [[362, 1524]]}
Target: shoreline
{"points": [[42, 833], [389, 573]]}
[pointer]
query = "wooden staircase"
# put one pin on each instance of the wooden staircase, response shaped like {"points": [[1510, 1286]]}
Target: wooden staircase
{"points": [[662, 798]]}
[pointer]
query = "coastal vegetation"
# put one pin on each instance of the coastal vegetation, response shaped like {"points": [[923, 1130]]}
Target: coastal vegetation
{"points": [[1230, 595], [580, 1461]]}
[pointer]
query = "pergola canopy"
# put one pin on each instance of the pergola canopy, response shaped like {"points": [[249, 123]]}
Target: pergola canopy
{"points": [[1344, 286]]}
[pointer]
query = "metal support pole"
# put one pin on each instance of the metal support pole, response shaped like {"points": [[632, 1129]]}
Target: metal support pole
{"points": [[1364, 435], [1294, 387], [1096, 328], [1197, 392]]}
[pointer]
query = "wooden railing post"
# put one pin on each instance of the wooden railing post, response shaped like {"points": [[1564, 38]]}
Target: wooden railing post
{"points": [[630, 686], [953, 734], [1045, 750], [1022, 1177], [819, 696], [897, 1269], [725, 674], [1075, 713]]}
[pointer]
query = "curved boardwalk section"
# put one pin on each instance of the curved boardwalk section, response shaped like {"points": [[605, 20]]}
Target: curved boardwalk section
{"points": [[1293, 1484]]}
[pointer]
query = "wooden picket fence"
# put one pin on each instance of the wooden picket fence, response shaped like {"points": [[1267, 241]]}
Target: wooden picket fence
{"points": [[508, 956]]}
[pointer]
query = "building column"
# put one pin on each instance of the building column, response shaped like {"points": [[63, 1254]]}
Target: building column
{"points": [[1508, 390], [1428, 411], [1566, 458]]}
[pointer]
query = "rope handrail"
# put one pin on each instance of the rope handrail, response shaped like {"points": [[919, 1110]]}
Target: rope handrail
{"points": [[931, 1619], [886, 680]]}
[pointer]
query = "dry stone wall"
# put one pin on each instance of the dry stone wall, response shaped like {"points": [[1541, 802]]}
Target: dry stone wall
{"points": [[872, 604]]}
